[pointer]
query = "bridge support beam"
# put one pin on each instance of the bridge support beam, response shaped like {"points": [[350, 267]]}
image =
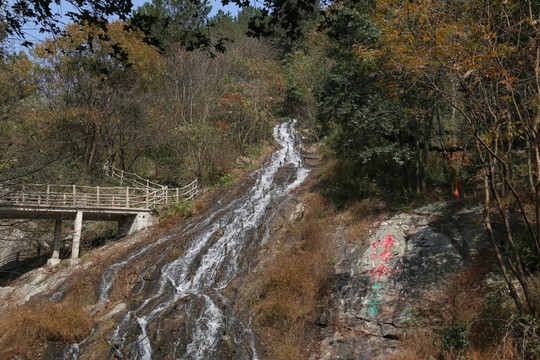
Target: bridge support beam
{"points": [[76, 238], [55, 259], [129, 221], [130, 224]]}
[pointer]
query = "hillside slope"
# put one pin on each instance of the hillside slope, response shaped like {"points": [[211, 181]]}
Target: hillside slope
{"points": [[309, 281], [159, 294]]}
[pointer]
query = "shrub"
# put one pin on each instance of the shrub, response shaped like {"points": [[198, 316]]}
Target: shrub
{"points": [[469, 320], [454, 337], [183, 209], [225, 180]]}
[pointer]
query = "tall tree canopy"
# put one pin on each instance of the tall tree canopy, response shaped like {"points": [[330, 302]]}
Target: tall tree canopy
{"points": [[48, 15]]}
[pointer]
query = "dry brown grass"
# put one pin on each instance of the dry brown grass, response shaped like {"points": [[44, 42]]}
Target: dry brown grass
{"points": [[358, 219], [461, 300], [287, 299], [417, 345], [484, 315], [26, 330]]}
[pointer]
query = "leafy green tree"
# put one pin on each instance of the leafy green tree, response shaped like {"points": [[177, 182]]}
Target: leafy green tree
{"points": [[481, 60], [365, 120], [306, 70], [18, 101], [93, 95], [170, 22], [47, 14]]}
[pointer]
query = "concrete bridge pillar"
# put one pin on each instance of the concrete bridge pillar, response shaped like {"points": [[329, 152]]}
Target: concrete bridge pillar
{"points": [[76, 238], [55, 259], [130, 224]]}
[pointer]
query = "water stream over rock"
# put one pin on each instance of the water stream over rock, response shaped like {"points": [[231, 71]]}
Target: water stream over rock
{"points": [[178, 307]]}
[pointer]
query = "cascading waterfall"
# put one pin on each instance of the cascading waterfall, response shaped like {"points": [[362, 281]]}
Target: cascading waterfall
{"points": [[209, 263]]}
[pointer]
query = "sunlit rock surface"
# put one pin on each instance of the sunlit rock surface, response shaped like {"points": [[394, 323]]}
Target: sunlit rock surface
{"points": [[380, 283]]}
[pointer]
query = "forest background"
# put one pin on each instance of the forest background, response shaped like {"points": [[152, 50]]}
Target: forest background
{"points": [[409, 99]]}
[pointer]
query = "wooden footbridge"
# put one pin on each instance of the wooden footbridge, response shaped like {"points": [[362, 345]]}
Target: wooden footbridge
{"points": [[130, 204]]}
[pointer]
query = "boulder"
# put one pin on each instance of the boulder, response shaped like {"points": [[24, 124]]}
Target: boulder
{"points": [[298, 213]]}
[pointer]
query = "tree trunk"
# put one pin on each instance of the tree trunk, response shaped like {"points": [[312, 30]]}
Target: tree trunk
{"points": [[518, 270], [529, 165], [493, 241]]}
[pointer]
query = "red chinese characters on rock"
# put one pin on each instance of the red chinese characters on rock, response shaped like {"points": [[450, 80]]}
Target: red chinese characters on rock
{"points": [[382, 257], [381, 270], [388, 241]]}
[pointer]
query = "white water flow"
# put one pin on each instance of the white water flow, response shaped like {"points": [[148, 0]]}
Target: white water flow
{"points": [[214, 256]]}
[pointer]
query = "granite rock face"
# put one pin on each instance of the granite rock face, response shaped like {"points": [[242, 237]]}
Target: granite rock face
{"points": [[50, 281], [380, 283], [13, 248]]}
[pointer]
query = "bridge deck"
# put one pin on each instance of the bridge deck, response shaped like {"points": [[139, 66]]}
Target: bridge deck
{"points": [[67, 213]]}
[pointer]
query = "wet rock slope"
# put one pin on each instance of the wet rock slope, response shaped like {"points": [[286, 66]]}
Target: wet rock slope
{"points": [[176, 308]]}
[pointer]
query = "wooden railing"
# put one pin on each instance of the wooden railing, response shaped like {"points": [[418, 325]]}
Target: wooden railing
{"points": [[93, 197], [130, 179], [133, 192]]}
